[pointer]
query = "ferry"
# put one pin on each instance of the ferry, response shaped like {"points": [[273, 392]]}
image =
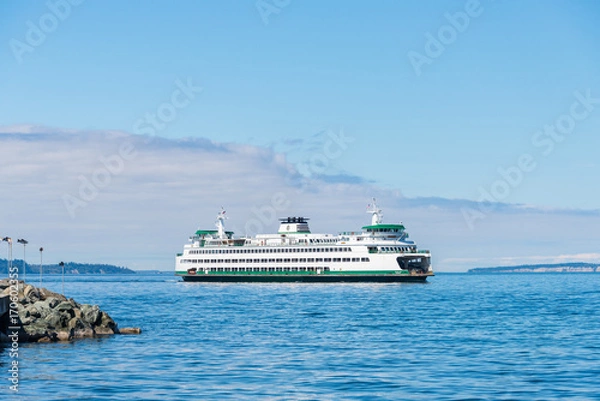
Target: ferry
{"points": [[378, 253]]}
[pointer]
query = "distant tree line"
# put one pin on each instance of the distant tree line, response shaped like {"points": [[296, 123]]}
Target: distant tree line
{"points": [[70, 268], [496, 269]]}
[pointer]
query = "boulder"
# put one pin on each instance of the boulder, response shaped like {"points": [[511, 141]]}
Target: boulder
{"points": [[66, 307], [84, 333], [130, 330], [91, 314], [107, 322], [77, 324], [63, 335], [52, 302], [103, 331]]}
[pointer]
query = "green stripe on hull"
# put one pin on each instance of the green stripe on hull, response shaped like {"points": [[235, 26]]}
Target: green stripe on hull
{"points": [[306, 278]]}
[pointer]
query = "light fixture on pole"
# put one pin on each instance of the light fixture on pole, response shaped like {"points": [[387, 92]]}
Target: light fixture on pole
{"points": [[41, 267], [24, 242], [9, 241]]}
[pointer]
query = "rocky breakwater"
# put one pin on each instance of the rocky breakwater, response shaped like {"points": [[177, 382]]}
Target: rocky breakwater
{"points": [[45, 316]]}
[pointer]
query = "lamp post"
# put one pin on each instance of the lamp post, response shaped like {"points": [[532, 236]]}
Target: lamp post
{"points": [[62, 264], [24, 242], [41, 266], [9, 241]]}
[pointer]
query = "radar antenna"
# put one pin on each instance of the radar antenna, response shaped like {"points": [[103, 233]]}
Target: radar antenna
{"points": [[377, 216], [220, 223]]}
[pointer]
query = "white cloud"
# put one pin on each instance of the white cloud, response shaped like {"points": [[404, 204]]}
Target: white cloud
{"points": [[144, 211]]}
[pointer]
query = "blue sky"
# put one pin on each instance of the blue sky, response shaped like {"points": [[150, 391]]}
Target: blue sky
{"points": [[279, 89]]}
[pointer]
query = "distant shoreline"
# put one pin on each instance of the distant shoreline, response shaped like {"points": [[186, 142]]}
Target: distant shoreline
{"points": [[69, 268], [578, 267]]}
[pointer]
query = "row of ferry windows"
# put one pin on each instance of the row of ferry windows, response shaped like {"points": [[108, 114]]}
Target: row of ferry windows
{"points": [[300, 260], [276, 250], [264, 269], [397, 249]]}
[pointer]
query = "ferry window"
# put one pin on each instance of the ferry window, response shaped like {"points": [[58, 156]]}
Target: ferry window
{"points": [[346, 260], [327, 260], [355, 259], [279, 269], [213, 261], [294, 269], [294, 260], [286, 260], [337, 259], [287, 269], [278, 260], [318, 260], [256, 260], [303, 260], [271, 260], [302, 269], [310, 260], [312, 269], [327, 269], [271, 269]]}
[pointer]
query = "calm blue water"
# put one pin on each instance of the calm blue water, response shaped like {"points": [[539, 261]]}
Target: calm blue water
{"points": [[519, 337]]}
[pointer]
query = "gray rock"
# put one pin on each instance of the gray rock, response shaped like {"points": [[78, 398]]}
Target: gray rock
{"points": [[103, 331], [32, 293], [91, 314], [84, 333], [38, 328], [66, 307], [43, 309], [52, 302], [130, 330], [33, 311], [78, 324], [108, 322], [64, 335], [58, 320]]}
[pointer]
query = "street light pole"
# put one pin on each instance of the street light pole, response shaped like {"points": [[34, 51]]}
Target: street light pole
{"points": [[9, 241], [24, 242], [41, 267], [62, 264]]}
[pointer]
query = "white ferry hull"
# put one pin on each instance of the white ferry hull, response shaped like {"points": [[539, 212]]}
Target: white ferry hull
{"points": [[313, 278]]}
